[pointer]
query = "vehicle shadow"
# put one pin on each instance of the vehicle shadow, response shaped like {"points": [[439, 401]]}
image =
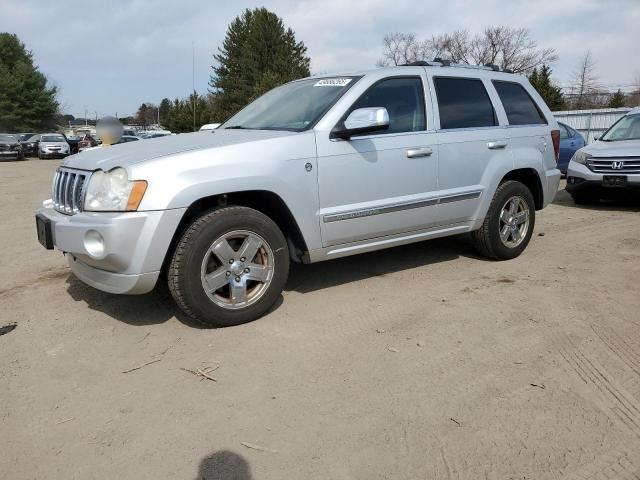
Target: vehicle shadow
{"points": [[138, 310], [628, 202], [158, 306], [318, 276], [224, 465]]}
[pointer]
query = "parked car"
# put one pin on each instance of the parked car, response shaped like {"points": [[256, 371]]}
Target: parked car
{"points": [[316, 169], [25, 136], [30, 145], [610, 166], [210, 126], [149, 135], [127, 139], [53, 145], [73, 141], [570, 141], [10, 148], [123, 139], [87, 142]]}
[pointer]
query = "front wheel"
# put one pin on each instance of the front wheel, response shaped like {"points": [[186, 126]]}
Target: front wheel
{"points": [[229, 266], [508, 225]]}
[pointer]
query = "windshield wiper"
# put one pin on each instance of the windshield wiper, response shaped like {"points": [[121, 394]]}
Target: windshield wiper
{"points": [[236, 127]]}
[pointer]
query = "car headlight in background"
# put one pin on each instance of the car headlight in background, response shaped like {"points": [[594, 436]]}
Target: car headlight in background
{"points": [[580, 157], [112, 191]]}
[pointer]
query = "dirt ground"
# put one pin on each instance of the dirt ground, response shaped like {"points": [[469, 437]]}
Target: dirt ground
{"points": [[419, 362]]}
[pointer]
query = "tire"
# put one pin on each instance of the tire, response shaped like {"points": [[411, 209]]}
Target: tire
{"points": [[195, 259], [488, 239], [586, 198]]}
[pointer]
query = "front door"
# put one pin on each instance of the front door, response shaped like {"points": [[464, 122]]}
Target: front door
{"points": [[380, 184]]}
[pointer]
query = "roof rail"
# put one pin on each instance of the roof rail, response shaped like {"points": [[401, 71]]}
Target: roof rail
{"points": [[441, 62]]}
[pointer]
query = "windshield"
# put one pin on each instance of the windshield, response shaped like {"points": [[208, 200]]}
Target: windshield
{"points": [[52, 138], [295, 106], [8, 138], [627, 128]]}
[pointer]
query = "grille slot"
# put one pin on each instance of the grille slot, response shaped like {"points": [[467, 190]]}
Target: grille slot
{"points": [[606, 165], [68, 190]]}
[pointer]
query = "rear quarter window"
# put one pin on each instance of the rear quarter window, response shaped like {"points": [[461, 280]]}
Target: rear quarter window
{"points": [[518, 104], [463, 103]]}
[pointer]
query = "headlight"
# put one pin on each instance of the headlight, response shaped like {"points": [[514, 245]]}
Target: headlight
{"points": [[580, 157], [113, 192]]}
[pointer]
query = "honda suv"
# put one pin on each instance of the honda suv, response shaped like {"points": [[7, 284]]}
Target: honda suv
{"points": [[313, 170], [609, 166]]}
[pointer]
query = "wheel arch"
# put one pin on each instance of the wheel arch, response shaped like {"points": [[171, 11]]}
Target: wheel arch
{"points": [[264, 201], [530, 178]]}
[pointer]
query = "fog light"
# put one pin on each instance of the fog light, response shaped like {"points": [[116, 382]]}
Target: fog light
{"points": [[94, 243]]}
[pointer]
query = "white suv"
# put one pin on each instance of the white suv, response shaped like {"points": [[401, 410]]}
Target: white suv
{"points": [[610, 166], [313, 170]]}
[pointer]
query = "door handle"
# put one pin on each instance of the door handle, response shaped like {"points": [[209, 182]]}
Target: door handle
{"points": [[496, 144], [419, 152]]}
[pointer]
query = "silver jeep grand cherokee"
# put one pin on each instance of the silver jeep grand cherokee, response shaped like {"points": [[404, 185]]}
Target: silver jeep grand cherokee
{"points": [[316, 169]]}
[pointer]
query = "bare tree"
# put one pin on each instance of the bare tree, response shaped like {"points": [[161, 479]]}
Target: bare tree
{"points": [[509, 48], [584, 82], [400, 48]]}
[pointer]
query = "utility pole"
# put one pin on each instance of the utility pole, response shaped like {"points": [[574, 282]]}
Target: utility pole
{"points": [[86, 122], [193, 81]]}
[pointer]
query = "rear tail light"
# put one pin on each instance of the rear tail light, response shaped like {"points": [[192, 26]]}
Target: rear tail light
{"points": [[555, 138]]}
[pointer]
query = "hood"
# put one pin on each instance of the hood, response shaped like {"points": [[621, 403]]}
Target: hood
{"points": [[130, 153], [623, 148]]}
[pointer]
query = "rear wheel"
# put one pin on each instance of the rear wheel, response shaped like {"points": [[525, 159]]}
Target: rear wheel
{"points": [[509, 223], [229, 266]]}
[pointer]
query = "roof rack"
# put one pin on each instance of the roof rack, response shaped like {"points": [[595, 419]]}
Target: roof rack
{"points": [[441, 62]]}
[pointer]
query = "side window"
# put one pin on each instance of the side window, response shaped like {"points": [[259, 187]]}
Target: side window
{"points": [[520, 107], [404, 100], [564, 131], [463, 103]]}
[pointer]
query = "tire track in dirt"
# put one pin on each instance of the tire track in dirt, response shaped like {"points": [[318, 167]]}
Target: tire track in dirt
{"points": [[618, 347], [614, 397], [616, 402]]}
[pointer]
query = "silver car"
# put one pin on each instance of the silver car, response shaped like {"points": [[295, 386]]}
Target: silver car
{"points": [[53, 145], [610, 166], [316, 169]]}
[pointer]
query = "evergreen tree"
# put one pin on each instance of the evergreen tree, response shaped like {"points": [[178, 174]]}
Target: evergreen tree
{"points": [[550, 93], [26, 104], [617, 100], [258, 54], [165, 106]]}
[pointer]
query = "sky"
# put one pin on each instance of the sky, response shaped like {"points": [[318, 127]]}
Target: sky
{"points": [[109, 56]]}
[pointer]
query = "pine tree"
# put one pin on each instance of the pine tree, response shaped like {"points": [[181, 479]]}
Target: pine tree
{"points": [[258, 54], [26, 104], [617, 100], [165, 106], [550, 93]]}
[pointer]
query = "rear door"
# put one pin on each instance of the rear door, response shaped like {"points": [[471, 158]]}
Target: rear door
{"points": [[470, 138], [528, 131]]}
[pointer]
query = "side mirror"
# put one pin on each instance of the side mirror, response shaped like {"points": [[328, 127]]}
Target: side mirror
{"points": [[362, 120], [596, 138]]}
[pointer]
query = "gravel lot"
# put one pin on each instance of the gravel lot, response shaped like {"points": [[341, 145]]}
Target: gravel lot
{"points": [[422, 361]]}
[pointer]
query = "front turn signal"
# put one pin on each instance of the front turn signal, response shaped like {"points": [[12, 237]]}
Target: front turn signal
{"points": [[137, 192]]}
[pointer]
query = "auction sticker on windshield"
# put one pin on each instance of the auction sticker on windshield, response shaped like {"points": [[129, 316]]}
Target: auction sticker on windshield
{"points": [[332, 82]]}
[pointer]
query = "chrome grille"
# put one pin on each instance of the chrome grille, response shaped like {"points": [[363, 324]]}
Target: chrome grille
{"points": [[623, 165], [68, 190]]}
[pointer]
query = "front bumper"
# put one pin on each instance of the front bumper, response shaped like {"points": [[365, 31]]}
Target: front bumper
{"points": [[44, 154], [581, 178], [115, 252], [10, 155]]}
